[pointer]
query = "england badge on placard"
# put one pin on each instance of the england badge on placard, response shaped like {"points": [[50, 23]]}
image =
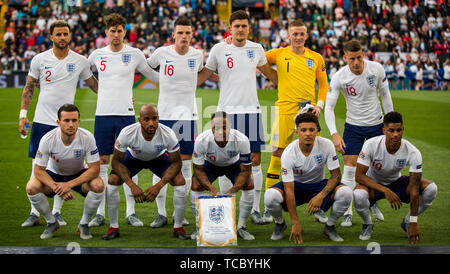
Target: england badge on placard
{"points": [[126, 58], [251, 54], [216, 214], [70, 67], [191, 64], [371, 80], [77, 153], [310, 63]]}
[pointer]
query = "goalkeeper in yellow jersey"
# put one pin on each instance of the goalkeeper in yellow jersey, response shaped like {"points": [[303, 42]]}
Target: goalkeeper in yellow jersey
{"points": [[298, 70]]}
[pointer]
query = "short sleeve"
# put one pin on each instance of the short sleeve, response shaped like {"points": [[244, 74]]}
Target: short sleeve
{"points": [[153, 60], [86, 72], [42, 154], [272, 55], [198, 157], [262, 56], [244, 152], [211, 62], [92, 154], [332, 159], [35, 68], [91, 60], [365, 155], [415, 161], [121, 142], [287, 168], [172, 142]]}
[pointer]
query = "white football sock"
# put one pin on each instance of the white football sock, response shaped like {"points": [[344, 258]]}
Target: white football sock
{"points": [[40, 203], [273, 200], [224, 184], [342, 200], [33, 209], [194, 196], [91, 203], [129, 196], [348, 178], [362, 205], [179, 205], [57, 204], [104, 176], [245, 206], [161, 198], [257, 182], [425, 199], [112, 204]]}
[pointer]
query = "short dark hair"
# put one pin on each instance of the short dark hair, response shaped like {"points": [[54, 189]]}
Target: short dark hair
{"points": [[392, 117], [115, 19], [239, 15], [182, 21], [352, 46], [221, 114], [68, 108], [59, 24], [307, 117]]}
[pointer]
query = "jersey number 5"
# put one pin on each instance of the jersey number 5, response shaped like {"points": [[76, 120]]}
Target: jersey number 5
{"points": [[103, 65]]}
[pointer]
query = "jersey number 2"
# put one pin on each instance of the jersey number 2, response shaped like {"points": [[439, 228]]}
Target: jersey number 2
{"points": [[48, 73]]}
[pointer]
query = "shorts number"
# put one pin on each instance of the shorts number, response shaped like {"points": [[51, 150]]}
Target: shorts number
{"points": [[49, 73], [168, 70], [103, 65], [351, 91], [230, 63]]}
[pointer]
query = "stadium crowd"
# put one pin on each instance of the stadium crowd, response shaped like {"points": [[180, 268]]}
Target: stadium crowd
{"points": [[409, 37]]}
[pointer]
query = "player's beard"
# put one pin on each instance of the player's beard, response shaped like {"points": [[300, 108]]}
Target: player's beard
{"points": [[58, 45]]}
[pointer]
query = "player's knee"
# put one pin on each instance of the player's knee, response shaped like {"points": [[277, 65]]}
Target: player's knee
{"points": [[179, 180], [272, 197], [97, 185], [32, 187], [360, 196], [344, 194], [114, 180], [430, 192], [196, 186]]}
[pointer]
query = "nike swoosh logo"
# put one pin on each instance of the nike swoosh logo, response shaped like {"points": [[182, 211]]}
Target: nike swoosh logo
{"points": [[167, 61], [47, 67], [229, 54], [102, 58]]}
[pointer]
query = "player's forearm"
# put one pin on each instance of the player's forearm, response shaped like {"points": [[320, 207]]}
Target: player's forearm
{"points": [[240, 181], [171, 172], [365, 180], [203, 75], [122, 171], [27, 93], [90, 174], [332, 182], [414, 180], [42, 176], [202, 177], [92, 83], [290, 202]]}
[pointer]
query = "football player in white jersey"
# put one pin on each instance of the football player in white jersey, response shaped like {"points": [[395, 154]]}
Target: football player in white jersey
{"points": [[361, 82], [236, 64], [178, 65], [56, 72], [378, 174], [303, 181], [60, 168], [146, 145], [116, 65], [222, 151]]}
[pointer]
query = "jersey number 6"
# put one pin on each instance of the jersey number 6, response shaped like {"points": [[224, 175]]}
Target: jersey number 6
{"points": [[230, 63]]}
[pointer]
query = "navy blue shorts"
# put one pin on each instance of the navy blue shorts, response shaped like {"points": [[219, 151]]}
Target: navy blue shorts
{"points": [[106, 130], [38, 130], [66, 178], [398, 187], [157, 165], [186, 131], [305, 192], [251, 125], [213, 171], [354, 137]]}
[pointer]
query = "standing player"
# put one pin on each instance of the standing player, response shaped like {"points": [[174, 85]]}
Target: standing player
{"points": [[179, 65], [223, 151], [60, 168], [303, 181], [116, 65], [150, 145], [236, 64], [56, 72], [361, 82], [378, 174], [298, 70]]}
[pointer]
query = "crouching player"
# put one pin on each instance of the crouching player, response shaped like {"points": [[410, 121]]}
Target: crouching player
{"points": [[60, 168], [378, 174], [146, 144], [224, 151], [303, 181]]}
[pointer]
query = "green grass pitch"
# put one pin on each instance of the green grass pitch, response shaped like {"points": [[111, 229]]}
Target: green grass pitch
{"points": [[426, 118]]}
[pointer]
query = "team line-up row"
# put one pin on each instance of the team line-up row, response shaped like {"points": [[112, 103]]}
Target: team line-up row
{"points": [[231, 150]]}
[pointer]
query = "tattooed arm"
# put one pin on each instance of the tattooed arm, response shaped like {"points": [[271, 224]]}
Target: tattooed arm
{"points": [[92, 83], [27, 97]]}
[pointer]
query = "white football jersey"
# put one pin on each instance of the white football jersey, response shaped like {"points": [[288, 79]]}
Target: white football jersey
{"points": [[67, 160], [177, 82], [361, 93], [385, 168], [236, 67], [116, 77], [131, 138], [58, 81], [311, 169], [237, 149]]}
